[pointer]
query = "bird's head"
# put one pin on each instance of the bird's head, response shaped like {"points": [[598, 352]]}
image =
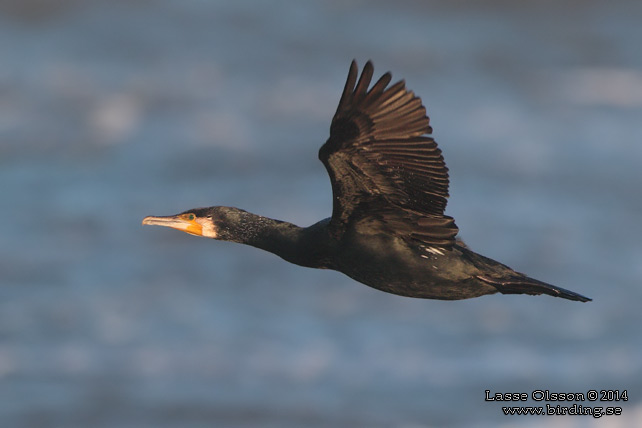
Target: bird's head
{"points": [[211, 222]]}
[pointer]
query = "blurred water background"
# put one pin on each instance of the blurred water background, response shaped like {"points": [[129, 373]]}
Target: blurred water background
{"points": [[113, 110]]}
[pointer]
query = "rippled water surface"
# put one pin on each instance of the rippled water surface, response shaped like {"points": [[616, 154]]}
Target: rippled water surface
{"points": [[110, 111]]}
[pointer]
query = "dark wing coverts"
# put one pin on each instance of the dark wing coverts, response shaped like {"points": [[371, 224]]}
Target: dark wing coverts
{"points": [[387, 175]]}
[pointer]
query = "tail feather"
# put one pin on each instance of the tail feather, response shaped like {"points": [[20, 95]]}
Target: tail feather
{"points": [[526, 285]]}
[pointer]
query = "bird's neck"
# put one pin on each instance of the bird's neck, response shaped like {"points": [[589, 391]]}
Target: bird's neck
{"points": [[278, 237]]}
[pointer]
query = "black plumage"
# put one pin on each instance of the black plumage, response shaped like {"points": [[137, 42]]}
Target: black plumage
{"points": [[388, 229]]}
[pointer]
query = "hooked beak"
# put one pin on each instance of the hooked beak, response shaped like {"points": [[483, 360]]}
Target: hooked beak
{"points": [[178, 222]]}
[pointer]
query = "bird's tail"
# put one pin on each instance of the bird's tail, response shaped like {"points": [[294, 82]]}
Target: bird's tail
{"points": [[519, 284]]}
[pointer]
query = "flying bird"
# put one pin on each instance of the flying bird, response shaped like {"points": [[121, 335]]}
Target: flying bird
{"points": [[389, 192]]}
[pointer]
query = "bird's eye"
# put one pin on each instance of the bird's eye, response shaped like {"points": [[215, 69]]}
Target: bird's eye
{"points": [[190, 216]]}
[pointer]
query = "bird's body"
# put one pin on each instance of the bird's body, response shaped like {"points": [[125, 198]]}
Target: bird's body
{"points": [[388, 229]]}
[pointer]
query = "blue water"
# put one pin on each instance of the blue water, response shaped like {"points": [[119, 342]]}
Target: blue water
{"points": [[110, 111]]}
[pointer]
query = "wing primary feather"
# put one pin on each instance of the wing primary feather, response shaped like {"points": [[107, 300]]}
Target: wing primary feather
{"points": [[397, 100], [364, 81], [392, 94], [347, 89], [378, 88]]}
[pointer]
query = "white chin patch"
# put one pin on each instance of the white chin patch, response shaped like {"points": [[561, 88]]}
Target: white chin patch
{"points": [[209, 230]]}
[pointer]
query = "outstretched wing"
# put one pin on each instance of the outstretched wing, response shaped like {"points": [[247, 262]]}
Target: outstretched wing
{"points": [[387, 175]]}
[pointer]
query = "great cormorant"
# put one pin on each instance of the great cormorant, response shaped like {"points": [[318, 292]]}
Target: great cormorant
{"points": [[388, 229]]}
